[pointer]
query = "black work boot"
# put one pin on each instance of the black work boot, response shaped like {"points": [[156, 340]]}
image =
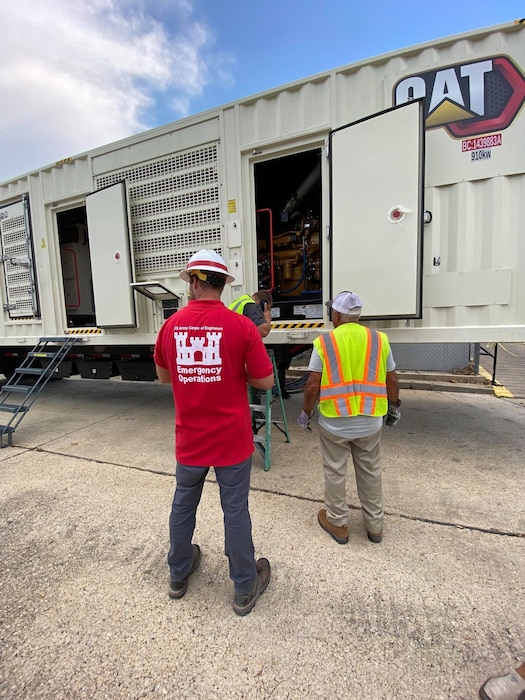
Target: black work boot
{"points": [[179, 588]]}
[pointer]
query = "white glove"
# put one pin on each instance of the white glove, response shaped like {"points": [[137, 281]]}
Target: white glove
{"points": [[304, 421]]}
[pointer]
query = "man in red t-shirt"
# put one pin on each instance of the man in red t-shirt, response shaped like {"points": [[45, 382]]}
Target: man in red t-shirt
{"points": [[208, 353]]}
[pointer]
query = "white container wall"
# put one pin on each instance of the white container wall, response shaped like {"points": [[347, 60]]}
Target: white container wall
{"points": [[256, 180]]}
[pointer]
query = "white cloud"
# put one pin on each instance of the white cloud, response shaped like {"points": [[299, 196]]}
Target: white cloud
{"points": [[75, 75]]}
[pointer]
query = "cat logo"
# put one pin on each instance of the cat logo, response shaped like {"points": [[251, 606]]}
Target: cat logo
{"points": [[467, 99]]}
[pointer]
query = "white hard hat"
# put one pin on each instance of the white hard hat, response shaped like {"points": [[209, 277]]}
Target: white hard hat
{"points": [[206, 260]]}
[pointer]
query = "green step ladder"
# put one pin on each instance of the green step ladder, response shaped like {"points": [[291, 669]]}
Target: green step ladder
{"points": [[262, 418], [23, 388]]}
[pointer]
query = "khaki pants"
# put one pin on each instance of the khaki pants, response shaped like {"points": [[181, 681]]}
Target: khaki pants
{"points": [[365, 453]]}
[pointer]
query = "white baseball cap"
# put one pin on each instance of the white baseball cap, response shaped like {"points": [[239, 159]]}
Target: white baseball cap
{"points": [[346, 303], [207, 260]]}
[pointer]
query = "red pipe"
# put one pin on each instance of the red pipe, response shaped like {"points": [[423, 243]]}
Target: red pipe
{"points": [[272, 278]]}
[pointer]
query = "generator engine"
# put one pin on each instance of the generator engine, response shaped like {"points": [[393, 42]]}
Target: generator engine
{"points": [[295, 258], [288, 244]]}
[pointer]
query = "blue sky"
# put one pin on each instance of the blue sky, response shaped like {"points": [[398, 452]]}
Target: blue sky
{"points": [[78, 74]]}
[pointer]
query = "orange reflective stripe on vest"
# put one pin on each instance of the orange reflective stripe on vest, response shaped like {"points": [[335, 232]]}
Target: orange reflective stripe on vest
{"points": [[353, 380]]}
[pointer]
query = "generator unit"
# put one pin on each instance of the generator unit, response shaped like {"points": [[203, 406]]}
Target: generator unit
{"points": [[400, 178]]}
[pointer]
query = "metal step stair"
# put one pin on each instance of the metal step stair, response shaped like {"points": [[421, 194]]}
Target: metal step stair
{"points": [[23, 388], [262, 417]]}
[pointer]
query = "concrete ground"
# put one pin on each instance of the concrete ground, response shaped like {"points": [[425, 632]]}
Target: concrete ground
{"points": [[505, 365], [431, 612]]}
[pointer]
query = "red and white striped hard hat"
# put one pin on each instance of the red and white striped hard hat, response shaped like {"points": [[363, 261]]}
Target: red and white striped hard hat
{"points": [[206, 260]]}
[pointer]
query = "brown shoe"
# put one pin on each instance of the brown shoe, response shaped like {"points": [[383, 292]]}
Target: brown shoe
{"points": [[375, 537], [243, 604], [340, 534]]}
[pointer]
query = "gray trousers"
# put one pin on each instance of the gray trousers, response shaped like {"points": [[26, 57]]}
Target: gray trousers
{"points": [[365, 453], [234, 486]]}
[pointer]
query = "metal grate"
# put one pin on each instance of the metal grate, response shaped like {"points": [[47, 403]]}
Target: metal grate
{"points": [[175, 241], [174, 205], [15, 242], [199, 178], [432, 357]]}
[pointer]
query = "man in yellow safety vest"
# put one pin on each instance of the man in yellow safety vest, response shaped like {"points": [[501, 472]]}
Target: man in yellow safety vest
{"points": [[257, 309], [352, 374]]}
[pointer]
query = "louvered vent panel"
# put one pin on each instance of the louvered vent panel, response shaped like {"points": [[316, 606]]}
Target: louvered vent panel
{"points": [[18, 266], [174, 204]]}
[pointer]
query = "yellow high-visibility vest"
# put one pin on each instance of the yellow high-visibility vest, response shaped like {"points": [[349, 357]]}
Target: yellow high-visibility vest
{"points": [[239, 304], [353, 380]]}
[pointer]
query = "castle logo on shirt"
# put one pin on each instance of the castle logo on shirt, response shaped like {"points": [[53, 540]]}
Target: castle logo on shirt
{"points": [[198, 355]]}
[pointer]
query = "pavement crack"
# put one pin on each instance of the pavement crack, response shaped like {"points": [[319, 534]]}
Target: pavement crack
{"points": [[279, 493]]}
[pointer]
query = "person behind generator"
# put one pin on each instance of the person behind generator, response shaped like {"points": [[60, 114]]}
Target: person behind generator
{"points": [[352, 373], [257, 308], [208, 354]]}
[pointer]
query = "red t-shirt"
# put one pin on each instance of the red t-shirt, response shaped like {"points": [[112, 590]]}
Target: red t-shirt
{"points": [[208, 350]]}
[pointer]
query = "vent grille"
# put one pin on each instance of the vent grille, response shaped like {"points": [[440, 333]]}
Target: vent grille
{"points": [[15, 244], [174, 205]]}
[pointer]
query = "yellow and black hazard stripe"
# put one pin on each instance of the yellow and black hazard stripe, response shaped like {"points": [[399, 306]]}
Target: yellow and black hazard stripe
{"points": [[286, 325], [83, 331]]}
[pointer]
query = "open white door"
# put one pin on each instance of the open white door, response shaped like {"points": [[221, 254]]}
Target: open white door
{"points": [[111, 259], [377, 211], [16, 254]]}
